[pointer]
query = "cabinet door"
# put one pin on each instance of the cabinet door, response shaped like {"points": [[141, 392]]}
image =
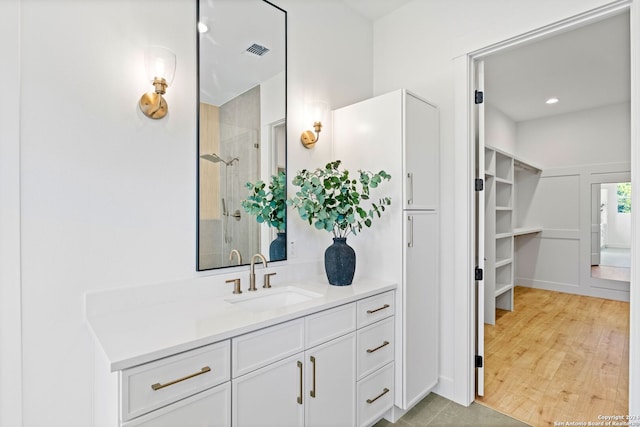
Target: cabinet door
{"points": [[421, 154], [420, 324], [331, 383], [270, 396], [211, 408]]}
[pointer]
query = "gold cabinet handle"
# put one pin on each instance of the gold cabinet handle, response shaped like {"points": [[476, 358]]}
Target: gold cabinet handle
{"points": [[300, 394], [410, 189], [158, 386], [313, 388], [371, 350], [386, 390], [378, 309], [410, 240]]}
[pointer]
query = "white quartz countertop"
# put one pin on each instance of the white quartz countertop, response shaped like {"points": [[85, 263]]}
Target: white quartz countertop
{"points": [[140, 334]]}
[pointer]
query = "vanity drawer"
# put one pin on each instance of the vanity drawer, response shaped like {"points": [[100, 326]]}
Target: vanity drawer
{"points": [[329, 324], [375, 395], [375, 308], [156, 384], [375, 345], [260, 348]]}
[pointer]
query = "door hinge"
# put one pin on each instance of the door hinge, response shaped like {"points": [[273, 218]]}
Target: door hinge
{"points": [[479, 98], [479, 361], [479, 184], [478, 273]]}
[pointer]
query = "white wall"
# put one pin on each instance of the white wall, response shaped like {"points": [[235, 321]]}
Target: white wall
{"points": [[593, 136], [108, 197], [10, 307], [500, 130], [415, 48], [575, 150]]}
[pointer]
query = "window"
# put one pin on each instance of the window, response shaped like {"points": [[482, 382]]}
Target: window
{"points": [[624, 197]]}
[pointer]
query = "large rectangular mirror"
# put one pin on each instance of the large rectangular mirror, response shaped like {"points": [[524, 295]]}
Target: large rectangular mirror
{"points": [[611, 231], [242, 131]]}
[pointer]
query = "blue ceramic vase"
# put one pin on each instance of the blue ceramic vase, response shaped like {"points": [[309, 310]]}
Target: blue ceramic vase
{"points": [[278, 247], [340, 262]]}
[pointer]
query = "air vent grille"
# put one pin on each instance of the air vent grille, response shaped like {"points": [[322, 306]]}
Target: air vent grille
{"points": [[258, 50]]}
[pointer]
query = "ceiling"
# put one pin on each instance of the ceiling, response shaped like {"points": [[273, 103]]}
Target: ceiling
{"points": [[584, 68], [374, 9], [227, 69]]}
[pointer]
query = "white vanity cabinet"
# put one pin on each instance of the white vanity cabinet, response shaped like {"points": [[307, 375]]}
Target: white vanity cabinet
{"points": [[153, 394], [340, 374], [376, 347], [325, 366], [211, 408], [313, 387]]}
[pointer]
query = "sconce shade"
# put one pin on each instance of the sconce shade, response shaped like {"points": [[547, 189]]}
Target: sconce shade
{"points": [[160, 66], [160, 63]]}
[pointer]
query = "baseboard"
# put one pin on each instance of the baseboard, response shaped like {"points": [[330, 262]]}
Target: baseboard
{"points": [[446, 389], [618, 291]]}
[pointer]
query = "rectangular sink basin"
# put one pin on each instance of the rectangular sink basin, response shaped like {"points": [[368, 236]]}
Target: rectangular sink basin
{"points": [[270, 299]]}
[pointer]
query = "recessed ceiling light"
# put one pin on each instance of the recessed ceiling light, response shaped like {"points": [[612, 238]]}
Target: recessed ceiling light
{"points": [[552, 101], [202, 27]]}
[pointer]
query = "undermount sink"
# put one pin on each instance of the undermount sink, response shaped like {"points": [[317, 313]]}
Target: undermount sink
{"points": [[269, 299]]}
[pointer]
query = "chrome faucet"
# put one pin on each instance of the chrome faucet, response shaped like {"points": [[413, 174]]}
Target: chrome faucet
{"points": [[252, 271], [237, 252]]}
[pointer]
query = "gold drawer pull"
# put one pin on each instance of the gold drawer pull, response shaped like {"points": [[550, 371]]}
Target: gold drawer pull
{"points": [[371, 350], [313, 390], [158, 386], [378, 309], [300, 394], [386, 390]]}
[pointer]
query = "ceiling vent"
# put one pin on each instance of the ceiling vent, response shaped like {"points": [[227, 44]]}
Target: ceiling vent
{"points": [[258, 50]]}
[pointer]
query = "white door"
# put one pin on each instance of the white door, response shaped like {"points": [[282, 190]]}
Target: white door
{"points": [[330, 392], [420, 325], [421, 160], [480, 221], [272, 396]]}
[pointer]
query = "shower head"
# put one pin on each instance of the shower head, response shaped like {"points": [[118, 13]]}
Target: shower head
{"points": [[212, 158]]}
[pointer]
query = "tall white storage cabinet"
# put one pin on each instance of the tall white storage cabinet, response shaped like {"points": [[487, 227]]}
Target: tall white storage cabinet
{"points": [[398, 132]]}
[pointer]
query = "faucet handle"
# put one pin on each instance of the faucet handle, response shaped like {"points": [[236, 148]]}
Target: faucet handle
{"points": [[267, 280], [236, 287]]}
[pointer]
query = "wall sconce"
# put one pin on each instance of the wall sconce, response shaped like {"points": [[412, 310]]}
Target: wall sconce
{"points": [[313, 111], [160, 65]]}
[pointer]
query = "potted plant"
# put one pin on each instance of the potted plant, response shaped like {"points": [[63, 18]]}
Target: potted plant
{"points": [[268, 204], [331, 200]]}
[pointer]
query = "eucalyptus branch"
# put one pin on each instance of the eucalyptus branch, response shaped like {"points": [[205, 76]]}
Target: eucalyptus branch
{"points": [[268, 206], [329, 199]]}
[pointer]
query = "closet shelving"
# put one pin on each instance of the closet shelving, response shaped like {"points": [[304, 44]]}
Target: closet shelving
{"points": [[500, 230]]}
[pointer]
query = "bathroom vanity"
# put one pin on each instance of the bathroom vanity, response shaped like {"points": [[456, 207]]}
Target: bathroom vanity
{"points": [[299, 354]]}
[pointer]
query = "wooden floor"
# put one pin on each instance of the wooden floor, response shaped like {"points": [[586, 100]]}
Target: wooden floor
{"points": [[558, 357]]}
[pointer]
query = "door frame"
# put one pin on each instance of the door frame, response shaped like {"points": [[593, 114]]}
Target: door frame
{"points": [[464, 197]]}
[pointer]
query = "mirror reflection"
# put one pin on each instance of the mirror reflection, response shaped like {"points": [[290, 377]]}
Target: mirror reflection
{"points": [[611, 231], [242, 126]]}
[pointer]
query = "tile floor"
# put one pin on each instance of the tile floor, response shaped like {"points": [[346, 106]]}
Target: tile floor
{"points": [[435, 410]]}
